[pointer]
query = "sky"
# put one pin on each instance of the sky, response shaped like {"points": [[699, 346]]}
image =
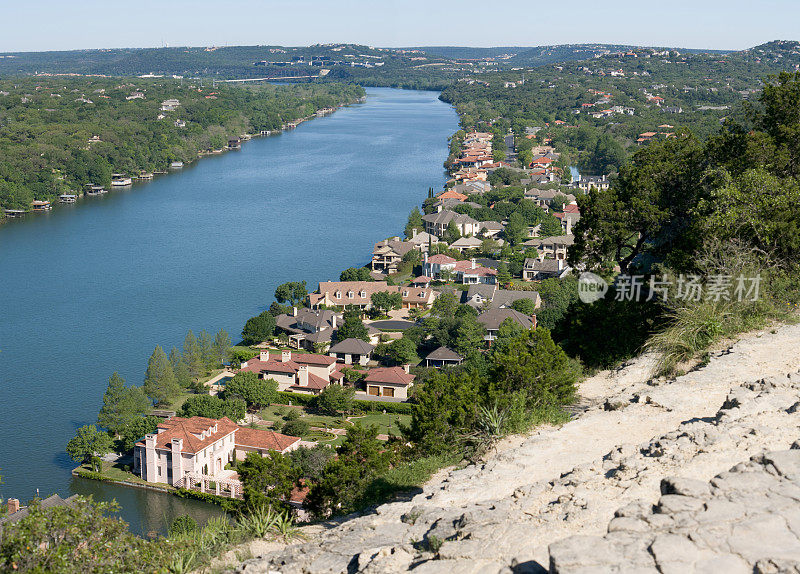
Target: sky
{"points": [[39, 25]]}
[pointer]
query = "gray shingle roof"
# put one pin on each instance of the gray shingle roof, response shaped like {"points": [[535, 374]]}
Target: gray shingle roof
{"points": [[352, 347], [444, 354], [493, 318]]}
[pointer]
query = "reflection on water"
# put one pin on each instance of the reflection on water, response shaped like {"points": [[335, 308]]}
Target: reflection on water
{"points": [[147, 511]]}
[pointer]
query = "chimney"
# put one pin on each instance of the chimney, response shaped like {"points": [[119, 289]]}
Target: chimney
{"points": [[243, 365], [294, 311], [263, 356], [286, 356], [407, 368], [302, 375], [413, 233], [13, 505], [472, 261]]}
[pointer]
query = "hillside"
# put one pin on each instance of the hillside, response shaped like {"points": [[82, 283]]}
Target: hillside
{"points": [[537, 491]]}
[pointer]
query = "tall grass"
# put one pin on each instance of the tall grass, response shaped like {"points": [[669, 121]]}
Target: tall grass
{"points": [[692, 326]]}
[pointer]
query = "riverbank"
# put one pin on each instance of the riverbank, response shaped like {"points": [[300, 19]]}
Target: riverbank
{"points": [[101, 285], [80, 195]]}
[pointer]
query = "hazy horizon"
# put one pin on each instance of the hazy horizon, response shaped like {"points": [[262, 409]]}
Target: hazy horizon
{"points": [[47, 25]]}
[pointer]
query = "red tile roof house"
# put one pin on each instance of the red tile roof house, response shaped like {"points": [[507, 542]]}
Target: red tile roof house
{"points": [[192, 452], [295, 372], [392, 382]]}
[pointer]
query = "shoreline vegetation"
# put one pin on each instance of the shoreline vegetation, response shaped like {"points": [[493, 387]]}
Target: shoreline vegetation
{"points": [[63, 138]]}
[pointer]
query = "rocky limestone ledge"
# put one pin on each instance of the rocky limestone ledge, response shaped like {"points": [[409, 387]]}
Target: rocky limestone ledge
{"points": [[746, 520], [502, 515]]}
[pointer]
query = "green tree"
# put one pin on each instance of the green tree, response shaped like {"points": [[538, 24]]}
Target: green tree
{"points": [[256, 392], [214, 407], [335, 399], [298, 428], [445, 305], [222, 344], [193, 356], [503, 275], [414, 222], [136, 429], [88, 445], [310, 462], [207, 352], [344, 482], [352, 327], [292, 293], [258, 328], [355, 274], [402, 351], [444, 411], [180, 369], [469, 336], [451, 233], [159, 379], [121, 404], [524, 306], [647, 211], [532, 365], [267, 480], [385, 301]]}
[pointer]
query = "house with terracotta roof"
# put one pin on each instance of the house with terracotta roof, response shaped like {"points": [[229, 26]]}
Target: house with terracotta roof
{"points": [[434, 265], [452, 194], [187, 450], [295, 372], [392, 382]]}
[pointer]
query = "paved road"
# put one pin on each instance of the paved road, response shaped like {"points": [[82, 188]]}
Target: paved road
{"points": [[393, 325]]}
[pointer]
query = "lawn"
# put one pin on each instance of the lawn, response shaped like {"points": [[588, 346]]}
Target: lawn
{"points": [[385, 422], [115, 471]]}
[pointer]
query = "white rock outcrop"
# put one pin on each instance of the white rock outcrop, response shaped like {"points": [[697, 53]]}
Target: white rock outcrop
{"points": [[629, 475]]}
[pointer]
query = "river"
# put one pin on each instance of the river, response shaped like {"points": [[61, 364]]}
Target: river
{"points": [[91, 288]]}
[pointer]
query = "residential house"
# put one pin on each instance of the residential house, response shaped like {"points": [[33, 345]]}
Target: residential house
{"points": [[493, 318], [538, 269], [352, 351], [434, 265], [448, 203], [469, 273], [491, 228], [492, 297], [588, 182], [465, 243], [388, 254], [422, 240], [422, 282], [296, 372], [554, 247], [183, 451], [359, 293], [308, 328], [437, 223], [443, 357], [392, 382]]}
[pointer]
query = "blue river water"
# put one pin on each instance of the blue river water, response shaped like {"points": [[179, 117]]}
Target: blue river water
{"points": [[91, 288]]}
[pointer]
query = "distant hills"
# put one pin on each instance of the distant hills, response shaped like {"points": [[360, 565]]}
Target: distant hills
{"points": [[423, 66]]}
